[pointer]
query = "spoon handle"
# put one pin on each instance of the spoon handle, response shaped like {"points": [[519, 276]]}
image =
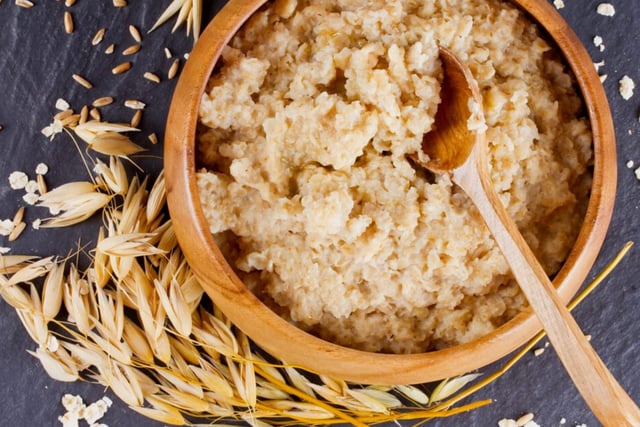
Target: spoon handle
{"points": [[604, 395]]}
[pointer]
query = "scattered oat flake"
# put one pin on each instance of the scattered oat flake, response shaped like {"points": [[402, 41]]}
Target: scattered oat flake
{"points": [[68, 22], [18, 180], [122, 68], [98, 37], [36, 224], [538, 351], [134, 104], [505, 422], [42, 169], [559, 4], [24, 3], [82, 81], [603, 78], [626, 87], [31, 187], [6, 227], [606, 9], [31, 198], [151, 77], [523, 420], [135, 33], [62, 105], [109, 50], [599, 43]]}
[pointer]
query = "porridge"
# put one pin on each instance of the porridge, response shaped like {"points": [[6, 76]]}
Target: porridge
{"points": [[306, 184]]}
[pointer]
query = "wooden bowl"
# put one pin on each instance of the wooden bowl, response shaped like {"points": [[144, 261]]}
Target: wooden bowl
{"points": [[299, 348]]}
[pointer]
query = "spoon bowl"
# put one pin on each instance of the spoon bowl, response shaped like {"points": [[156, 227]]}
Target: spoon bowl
{"points": [[454, 147]]}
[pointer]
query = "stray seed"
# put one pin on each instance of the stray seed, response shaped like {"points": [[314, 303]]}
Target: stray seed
{"points": [[131, 50], [167, 53], [109, 50], [153, 138], [63, 114], [95, 114], [134, 104], [98, 37], [69, 3], [135, 120], [84, 114], [102, 102], [120, 3], [72, 120], [17, 231], [524, 419], [173, 70], [152, 77], [42, 185], [68, 22], [17, 218], [538, 351], [24, 3], [135, 33], [82, 81], [122, 68]]}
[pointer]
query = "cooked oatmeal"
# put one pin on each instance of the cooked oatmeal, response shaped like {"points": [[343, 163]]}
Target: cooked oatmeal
{"points": [[308, 189]]}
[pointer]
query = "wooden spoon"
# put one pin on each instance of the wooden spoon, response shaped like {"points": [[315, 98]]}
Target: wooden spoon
{"points": [[453, 148]]}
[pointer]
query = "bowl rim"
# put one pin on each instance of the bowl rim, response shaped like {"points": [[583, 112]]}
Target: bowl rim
{"points": [[299, 348]]}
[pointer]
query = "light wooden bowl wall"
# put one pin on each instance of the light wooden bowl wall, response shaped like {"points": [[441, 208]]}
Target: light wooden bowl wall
{"points": [[299, 348]]}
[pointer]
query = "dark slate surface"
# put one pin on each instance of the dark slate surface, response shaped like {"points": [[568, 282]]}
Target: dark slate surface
{"points": [[36, 62]]}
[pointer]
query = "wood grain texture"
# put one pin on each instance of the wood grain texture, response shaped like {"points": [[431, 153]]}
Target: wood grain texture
{"points": [[453, 148], [299, 348]]}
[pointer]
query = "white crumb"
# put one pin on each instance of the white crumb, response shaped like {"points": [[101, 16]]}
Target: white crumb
{"points": [[62, 105], [77, 410], [4, 250], [53, 129], [505, 422], [630, 164], [599, 43], [72, 403], [626, 87], [538, 351], [606, 9], [42, 169], [31, 187], [6, 227], [581, 425], [637, 172], [36, 224], [31, 198], [559, 4], [563, 421], [18, 180], [603, 78], [68, 420]]}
